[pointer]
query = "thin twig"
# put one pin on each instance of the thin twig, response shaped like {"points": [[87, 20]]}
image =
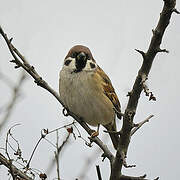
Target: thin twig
{"points": [[7, 153], [98, 172], [58, 152], [49, 132], [32, 154], [138, 126], [16, 171], [148, 58], [56, 155]]}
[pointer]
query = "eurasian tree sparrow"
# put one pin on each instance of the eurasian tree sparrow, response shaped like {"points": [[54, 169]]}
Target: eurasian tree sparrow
{"points": [[87, 91]]}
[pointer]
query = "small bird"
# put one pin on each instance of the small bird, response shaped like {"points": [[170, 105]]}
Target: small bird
{"points": [[87, 91]]}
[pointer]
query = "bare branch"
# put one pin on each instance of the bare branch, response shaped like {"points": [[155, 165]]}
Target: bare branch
{"points": [[176, 11], [139, 125], [58, 152], [42, 83], [56, 155], [141, 52], [130, 111], [122, 177], [98, 172], [15, 170]]}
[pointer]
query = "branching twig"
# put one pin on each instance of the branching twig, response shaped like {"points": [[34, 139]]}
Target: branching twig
{"points": [[148, 57], [122, 177], [137, 126], [42, 83], [16, 171], [44, 133], [57, 153], [98, 172]]}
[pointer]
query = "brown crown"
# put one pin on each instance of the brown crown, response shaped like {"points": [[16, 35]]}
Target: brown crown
{"points": [[78, 49]]}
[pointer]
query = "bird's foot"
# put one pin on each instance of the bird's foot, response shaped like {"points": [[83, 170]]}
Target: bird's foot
{"points": [[94, 134]]}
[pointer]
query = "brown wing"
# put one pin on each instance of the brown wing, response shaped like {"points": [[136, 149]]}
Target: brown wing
{"points": [[109, 91]]}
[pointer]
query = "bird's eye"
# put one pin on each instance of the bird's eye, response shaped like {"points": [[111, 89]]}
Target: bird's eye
{"points": [[67, 62], [87, 56], [74, 54], [92, 65]]}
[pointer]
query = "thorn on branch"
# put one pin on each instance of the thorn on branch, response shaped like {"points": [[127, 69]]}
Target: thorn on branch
{"points": [[162, 50], [143, 176], [129, 94], [13, 61], [123, 177], [176, 11], [123, 158], [39, 81], [138, 126], [103, 156], [10, 40], [17, 66], [141, 52], [156, 178]]}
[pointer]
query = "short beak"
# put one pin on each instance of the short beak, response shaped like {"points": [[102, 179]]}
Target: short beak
{"points": [[81, 56]]}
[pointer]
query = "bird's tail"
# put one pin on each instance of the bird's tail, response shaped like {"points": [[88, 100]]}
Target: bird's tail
{"points": [[114, 137]]}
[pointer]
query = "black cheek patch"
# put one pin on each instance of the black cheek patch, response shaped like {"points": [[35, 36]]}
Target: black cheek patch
{"points": [[92, 65], [67, 62]]}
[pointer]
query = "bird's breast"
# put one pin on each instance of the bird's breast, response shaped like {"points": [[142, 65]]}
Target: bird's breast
{"points": [[84, 96]]}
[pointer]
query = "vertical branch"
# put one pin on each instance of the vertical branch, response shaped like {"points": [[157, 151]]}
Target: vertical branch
{"points": [[98, 173], [56, 155], [148, 58], [4, 161]]}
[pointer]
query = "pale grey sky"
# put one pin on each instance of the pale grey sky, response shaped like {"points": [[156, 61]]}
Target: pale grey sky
{"points": [[44, 31]]}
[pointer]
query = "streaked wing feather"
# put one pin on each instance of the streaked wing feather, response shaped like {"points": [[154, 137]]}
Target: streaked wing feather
{"points": [[109, 90]]}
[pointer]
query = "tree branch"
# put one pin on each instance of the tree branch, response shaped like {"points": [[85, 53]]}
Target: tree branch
{"points": [[148, 57], [15, 170], [139, 125], [20, 61], [134, 178]]}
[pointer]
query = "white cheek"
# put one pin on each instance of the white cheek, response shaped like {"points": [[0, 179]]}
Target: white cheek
{"points": [[88, 66], [71, 65]]}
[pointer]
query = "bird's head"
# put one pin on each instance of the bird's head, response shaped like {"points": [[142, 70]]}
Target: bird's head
{"points": [[79, 58]]}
